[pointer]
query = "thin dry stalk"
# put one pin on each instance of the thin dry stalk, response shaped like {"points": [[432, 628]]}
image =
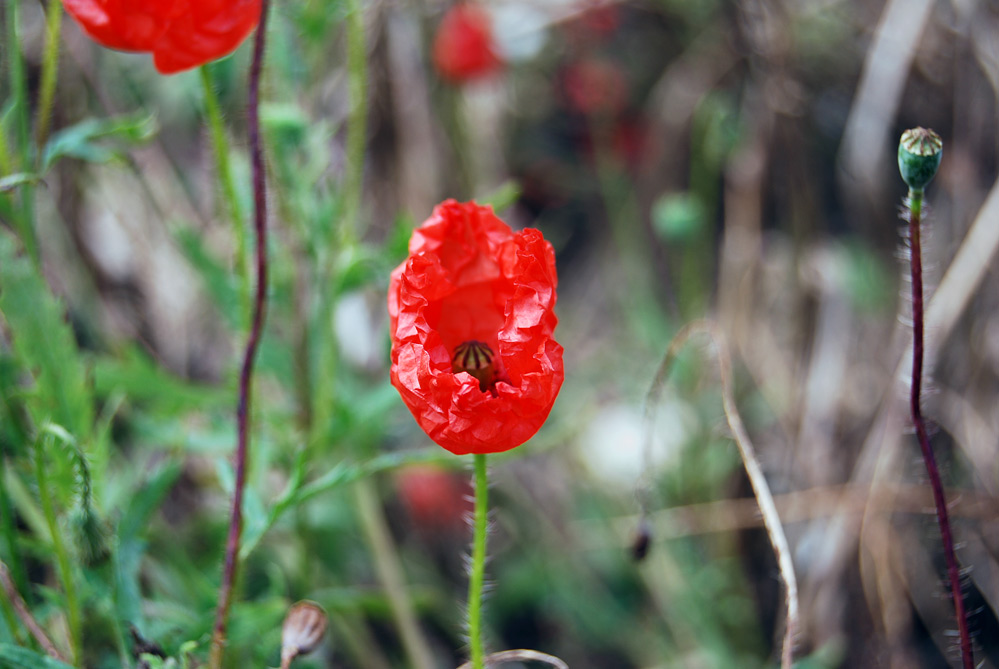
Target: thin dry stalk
{"points": [[520, 655], [771, 519], [25, 615]]}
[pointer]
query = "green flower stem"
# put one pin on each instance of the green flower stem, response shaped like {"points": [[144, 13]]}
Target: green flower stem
{"points": [[50, 72], [477, 577], [6, 162], [915, 206], [19, 98], [220, 146], [62, 557]]}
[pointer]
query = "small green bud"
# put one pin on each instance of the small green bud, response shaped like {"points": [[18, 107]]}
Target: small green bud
{"points": [[919, 153]]}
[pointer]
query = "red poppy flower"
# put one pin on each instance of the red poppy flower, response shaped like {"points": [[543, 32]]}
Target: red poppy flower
{"points": [[472, 319], [463, 46], [180, 34]]}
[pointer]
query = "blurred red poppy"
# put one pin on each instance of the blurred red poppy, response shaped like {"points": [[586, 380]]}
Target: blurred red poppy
{"points": [[472, 320], [436, 499], [594, 86], [463, 46], [180, 34]]}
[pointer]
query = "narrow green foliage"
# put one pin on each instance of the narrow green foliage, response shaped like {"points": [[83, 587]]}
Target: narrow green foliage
{"points": [[100, 140], [44, 343], [16, 657]]}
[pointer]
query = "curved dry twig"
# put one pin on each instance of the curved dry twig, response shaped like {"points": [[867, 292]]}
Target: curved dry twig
{"points": [[771, 519], [519, 655]]}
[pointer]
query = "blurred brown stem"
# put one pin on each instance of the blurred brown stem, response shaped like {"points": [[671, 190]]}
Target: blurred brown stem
{"points": [[771, 519], [10, 591]]}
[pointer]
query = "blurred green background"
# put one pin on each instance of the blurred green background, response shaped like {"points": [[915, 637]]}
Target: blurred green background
{"points": [[712, 159]]}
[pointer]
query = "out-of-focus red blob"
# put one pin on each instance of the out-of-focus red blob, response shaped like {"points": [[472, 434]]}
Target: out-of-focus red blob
{"points": [[463, 47], [180, 34], [469, 278], [595, 86], [437, 500]]}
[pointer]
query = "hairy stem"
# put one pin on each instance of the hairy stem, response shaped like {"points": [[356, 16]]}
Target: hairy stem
{"points": [[19, 100], [62, 557], [220, 146], [915, 206], [256, 327], [50, 71], [478, 575]]}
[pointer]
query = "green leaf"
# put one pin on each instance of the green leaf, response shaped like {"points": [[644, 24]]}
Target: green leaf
{"points": [[16, 657], [43, 342], [145, 501], [138, 377], [220, 282], [12, 181], [100, 140]]}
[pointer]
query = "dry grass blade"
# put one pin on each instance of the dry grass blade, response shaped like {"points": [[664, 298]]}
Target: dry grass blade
{"points": [[25, 615], [771, 519], [520, 655]]}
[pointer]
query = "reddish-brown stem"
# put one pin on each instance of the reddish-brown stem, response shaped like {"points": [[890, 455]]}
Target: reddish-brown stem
{"points": [[256, 327], [915, 203]]}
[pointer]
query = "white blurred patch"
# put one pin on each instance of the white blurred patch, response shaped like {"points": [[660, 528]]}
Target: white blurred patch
{"points": [[611, 445], [355, 330], [519, 30]]}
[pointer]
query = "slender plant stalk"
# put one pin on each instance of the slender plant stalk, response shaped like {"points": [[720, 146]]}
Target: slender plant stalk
{"points": [[253, 341], [6, 161], [390, 573], [522, 655], [915, 207], [758, 481], [62, 557], [11, 593], [50, 72], [19, 95], [232, 209], [478, 575], [357, 125]]}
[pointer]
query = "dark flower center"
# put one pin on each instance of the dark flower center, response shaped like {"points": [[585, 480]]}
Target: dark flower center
{"points": [[476, 358]]}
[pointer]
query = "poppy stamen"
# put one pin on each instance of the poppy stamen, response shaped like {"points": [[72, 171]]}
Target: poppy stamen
{"points": [[476, 358]]}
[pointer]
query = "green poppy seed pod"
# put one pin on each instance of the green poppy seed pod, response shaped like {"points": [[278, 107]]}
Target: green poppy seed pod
{"points": [[919, 153], [303, 630]]}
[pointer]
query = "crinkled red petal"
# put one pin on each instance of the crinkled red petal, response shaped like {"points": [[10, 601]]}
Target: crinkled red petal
{"points": [[469, 276], [124, 24], [180, 34], [211, 30]]}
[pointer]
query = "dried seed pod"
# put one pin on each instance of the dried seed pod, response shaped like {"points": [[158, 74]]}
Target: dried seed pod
{"points": [[303, 630]]}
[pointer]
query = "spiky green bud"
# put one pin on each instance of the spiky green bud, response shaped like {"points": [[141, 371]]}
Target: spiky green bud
{"points": [[91, 536], [919, 153]]}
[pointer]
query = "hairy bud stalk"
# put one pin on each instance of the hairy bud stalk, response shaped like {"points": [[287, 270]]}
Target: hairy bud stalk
{"points": [[919, 153]]}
